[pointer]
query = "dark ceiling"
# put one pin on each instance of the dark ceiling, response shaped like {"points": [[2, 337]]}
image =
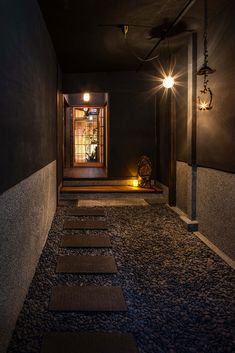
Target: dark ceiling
{"points": [[82, 45]]}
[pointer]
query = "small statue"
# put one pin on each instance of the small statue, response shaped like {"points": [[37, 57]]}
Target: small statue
{"points": [[144, 172]]}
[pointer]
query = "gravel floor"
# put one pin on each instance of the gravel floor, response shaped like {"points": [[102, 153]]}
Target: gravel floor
{"points": [[180, 295]]}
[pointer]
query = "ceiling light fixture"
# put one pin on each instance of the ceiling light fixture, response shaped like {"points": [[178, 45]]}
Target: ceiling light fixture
{"points": [[168, 81], [206, 96], [86, 97]]}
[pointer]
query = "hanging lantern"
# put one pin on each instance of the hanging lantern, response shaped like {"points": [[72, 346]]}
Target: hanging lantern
{"points": [[206, 96], [205, 99]]}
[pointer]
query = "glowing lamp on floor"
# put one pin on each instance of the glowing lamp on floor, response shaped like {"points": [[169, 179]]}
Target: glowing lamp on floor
{"points": [[135, 183]]}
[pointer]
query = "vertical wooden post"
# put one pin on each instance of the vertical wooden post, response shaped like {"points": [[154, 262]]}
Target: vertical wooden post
{"points": [[172, 154], [192, 127]]}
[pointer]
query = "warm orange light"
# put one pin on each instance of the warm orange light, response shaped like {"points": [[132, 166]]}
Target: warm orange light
{"points": [[86, 97], [168, 81], [203, 106], [135, 183]]}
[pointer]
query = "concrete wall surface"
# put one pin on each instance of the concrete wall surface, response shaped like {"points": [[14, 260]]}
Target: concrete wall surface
{"points": [[215, 208], [182, 183], [26, 213]]}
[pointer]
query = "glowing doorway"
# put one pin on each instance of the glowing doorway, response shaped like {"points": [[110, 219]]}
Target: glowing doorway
{"points": [[88, 136]]}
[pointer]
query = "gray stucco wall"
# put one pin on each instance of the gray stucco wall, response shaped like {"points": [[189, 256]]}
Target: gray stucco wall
{"points": [[26, 213], [182, 175], [214, 204], [215, 208]]}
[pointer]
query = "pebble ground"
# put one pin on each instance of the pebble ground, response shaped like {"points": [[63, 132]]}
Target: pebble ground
{"points": [[180, 295]]}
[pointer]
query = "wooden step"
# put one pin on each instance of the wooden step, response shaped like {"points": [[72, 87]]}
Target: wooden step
{"points": [[108, 189]]}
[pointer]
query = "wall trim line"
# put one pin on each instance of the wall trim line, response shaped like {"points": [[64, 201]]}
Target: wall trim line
{"points": [[216, 250], [27, 177], [202, 237]]}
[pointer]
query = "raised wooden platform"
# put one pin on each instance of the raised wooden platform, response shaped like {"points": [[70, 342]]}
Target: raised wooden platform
{"points": [[83, 173], [109, 189]]}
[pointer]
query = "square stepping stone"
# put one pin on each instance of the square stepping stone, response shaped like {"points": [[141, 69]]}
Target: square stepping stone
{"points": [[86, 264], [86, 342], [79, 211], [85, 241], [87, 299], [71, 224]]}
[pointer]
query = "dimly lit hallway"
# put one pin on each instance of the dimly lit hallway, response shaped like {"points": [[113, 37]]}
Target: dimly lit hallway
{"points": [[122, 55], [179, 293]]}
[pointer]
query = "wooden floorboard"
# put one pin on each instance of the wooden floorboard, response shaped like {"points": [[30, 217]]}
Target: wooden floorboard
{"points": [[108, 189]]}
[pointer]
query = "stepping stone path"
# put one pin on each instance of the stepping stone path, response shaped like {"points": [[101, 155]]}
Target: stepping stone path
{"points": [[87, 298], [85, 241], [83, 225], [74, 298], [86, 264], [83, 212], [88, 343]]}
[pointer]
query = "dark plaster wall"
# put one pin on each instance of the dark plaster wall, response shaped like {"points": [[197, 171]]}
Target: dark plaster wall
{"points": [[28, 80], [163, 136], [131, 115], [164, 101], [98, 98], [181, 99], [216, 128], [60, 129]]}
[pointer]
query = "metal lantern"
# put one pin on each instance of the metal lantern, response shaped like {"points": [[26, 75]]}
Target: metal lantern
{"points": [[206, 96]]}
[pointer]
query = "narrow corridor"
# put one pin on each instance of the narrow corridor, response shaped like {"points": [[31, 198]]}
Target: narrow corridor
{"points": [[179, 294]]}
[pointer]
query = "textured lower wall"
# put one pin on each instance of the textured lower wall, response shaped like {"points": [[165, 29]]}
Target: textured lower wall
{"points": [[182, 175], [215, 208], [26, 213]]}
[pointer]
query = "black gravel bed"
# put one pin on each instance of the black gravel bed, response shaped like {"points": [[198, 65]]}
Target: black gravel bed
{"points": [[180, 295]]}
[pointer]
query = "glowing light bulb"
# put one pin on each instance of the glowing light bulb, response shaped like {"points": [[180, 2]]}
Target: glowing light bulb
{"points": [[86, 97], [168, 82], [203, 106], [135, 183]]}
